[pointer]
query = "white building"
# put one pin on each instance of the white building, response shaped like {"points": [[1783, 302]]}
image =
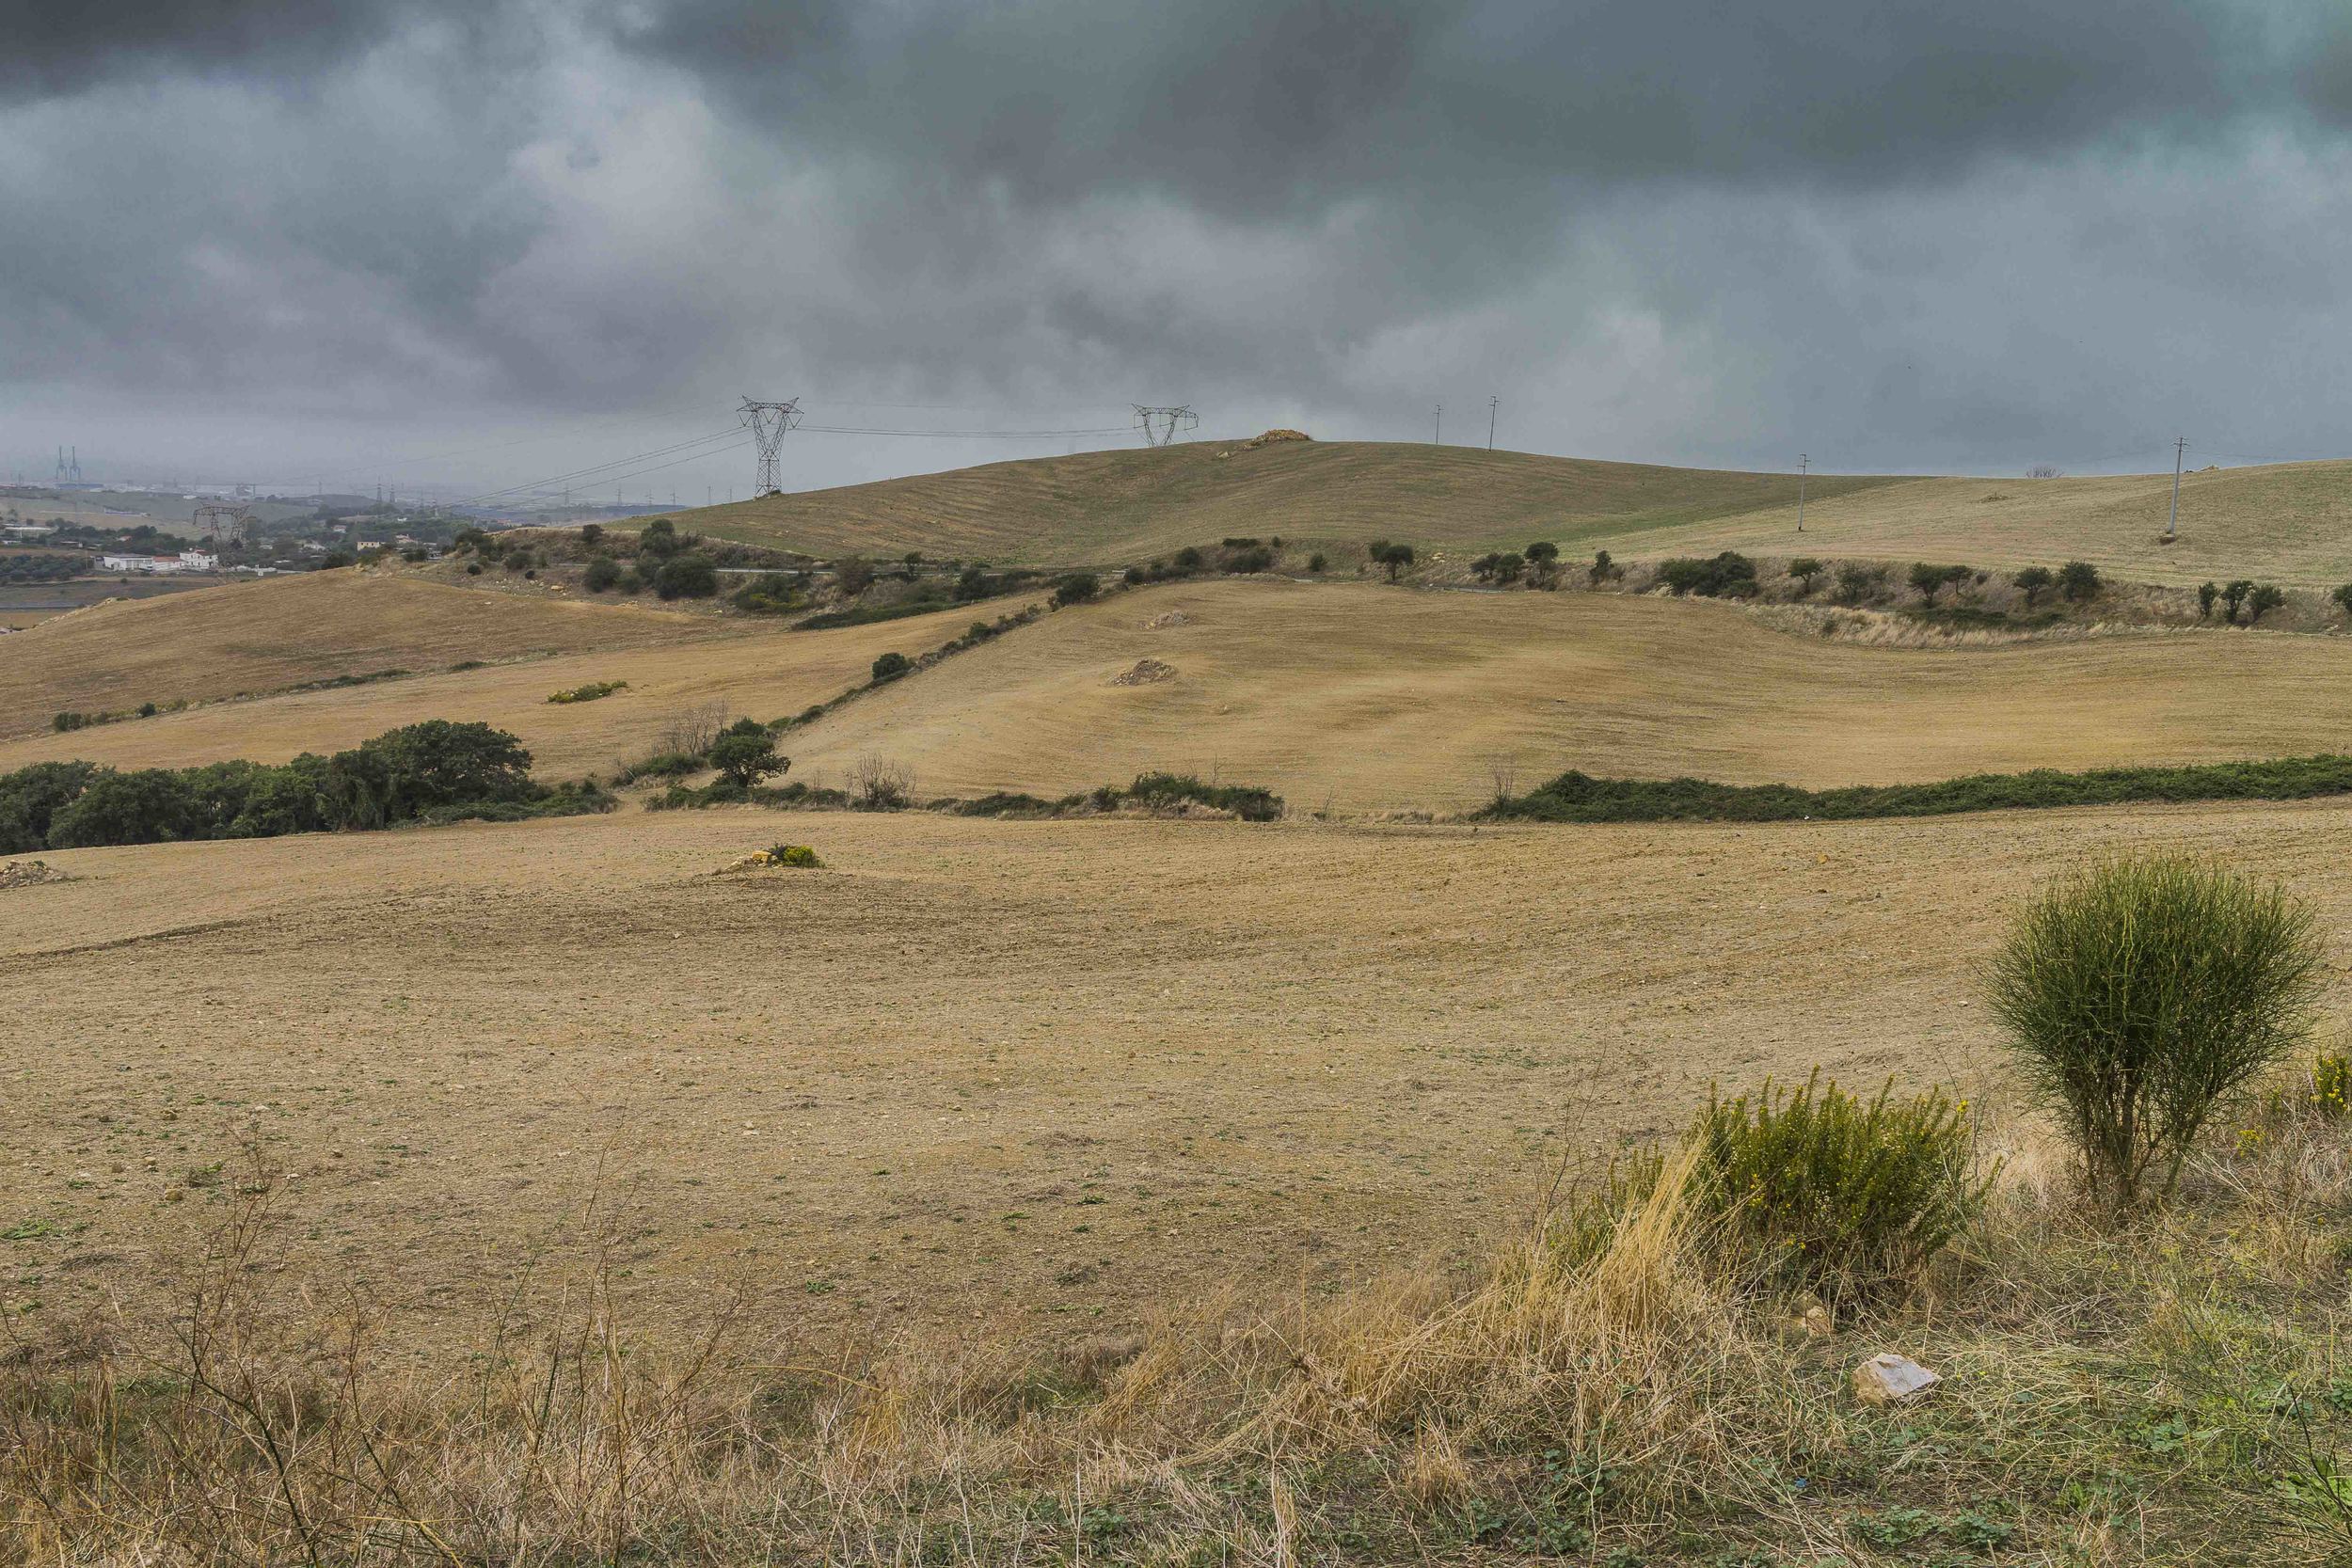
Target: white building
{"points": [[186, 561]]}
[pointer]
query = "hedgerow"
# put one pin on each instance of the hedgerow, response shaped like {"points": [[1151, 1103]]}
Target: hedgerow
{"points": [[1576, 796]]}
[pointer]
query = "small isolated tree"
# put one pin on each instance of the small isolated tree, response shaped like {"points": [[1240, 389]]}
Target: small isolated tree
{"points": [[591, 534], [1927, 578], [2233, 596], [1602, 569], [2208, 592], [2033, 582], [891, 666], [1078, 588], [1317, 561], [1857, 583], [1805, 569], [2266, 597], [1543, 559], [2078, 581], [2140, 995], [603, 572], [659, 539], [1393, 556], [746, 755]]}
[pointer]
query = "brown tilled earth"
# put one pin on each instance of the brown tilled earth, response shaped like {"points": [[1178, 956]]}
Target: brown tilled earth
{"points": [[1030, 1079]]}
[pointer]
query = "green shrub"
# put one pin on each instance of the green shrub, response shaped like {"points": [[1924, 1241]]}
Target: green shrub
{"points": [[30, 798], [1247, 802], [746, 755], [1602, 569], [2141, 994], [658, 540], [1189, 558], [1318, 562], [2033, 582], [603, 572], [1728, 576], [1828, 1193], [2266, 597], [889, 667], [686, 577], [2208, 592], [65, 724], [2331, 1084], [2078, 581], [799, 855], [1078, 588], [2234, 596], [1805, 569], [1253, 557], [589, 693]]}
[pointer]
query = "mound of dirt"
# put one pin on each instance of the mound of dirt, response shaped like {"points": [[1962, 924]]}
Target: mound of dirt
{"points": [[1269, 437], [1148, 671], [1173, 617], [16, 874]]}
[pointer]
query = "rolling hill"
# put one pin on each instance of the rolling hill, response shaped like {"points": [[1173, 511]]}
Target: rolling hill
{"points": [[1374, 697], [2290, 523], [1109, 508]]}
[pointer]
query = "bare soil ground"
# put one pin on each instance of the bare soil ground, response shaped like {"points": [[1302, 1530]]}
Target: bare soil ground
{"points": [[1007, 1078]]}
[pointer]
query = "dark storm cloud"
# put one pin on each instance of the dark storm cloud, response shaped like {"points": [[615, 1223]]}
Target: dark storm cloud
{"points": [[1679, 230], [54, 46], [1246, 106]]}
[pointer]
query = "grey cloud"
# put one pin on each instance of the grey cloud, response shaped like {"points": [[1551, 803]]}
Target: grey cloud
{"points": [[58, 46]]}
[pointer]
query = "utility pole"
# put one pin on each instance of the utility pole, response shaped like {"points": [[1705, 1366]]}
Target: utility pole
{"points": [[1804, 467], [768, 422], [2172, 524], [1492, 403], [1436, 432]]}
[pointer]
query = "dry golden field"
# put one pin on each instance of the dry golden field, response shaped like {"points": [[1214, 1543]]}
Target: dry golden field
{"points": [[1013, 1079], [1366, 697], [1376, 698], [2286, 523]]}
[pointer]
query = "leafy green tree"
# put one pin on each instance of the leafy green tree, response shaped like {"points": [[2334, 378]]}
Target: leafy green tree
{"points": [[2233, 596], [745, 758], [603, 572], [1805, 569], [2343, 598], [1602, 569], [31, 798], [1078, 588], [2033, 582], [658, 540], [151, 806], [1395, 557], [891, 666], [2266, 597]]}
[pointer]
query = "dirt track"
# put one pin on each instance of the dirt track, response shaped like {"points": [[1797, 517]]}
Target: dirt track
{"points": [[1031, 1075]]}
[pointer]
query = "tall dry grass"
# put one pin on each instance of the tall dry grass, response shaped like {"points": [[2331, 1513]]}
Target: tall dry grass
{"points": [[1603, 1381]]}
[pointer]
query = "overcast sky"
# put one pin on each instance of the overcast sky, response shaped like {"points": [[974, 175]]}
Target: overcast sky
{"points": [[477, 243]]}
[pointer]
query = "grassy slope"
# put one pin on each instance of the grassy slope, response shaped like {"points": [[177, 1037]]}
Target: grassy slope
{"points": [[1112, 507], [671, 663], [2285, 523], [282, 631], [1380, 697]]}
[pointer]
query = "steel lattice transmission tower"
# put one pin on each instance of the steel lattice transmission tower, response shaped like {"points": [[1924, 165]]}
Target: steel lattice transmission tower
{"points": [[1160, 425], [218, 525], [768, 422]]}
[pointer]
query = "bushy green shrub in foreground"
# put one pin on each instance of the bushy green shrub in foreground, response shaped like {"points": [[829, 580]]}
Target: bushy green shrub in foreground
{"points": [[1847, 1197], [2140, 996]]}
